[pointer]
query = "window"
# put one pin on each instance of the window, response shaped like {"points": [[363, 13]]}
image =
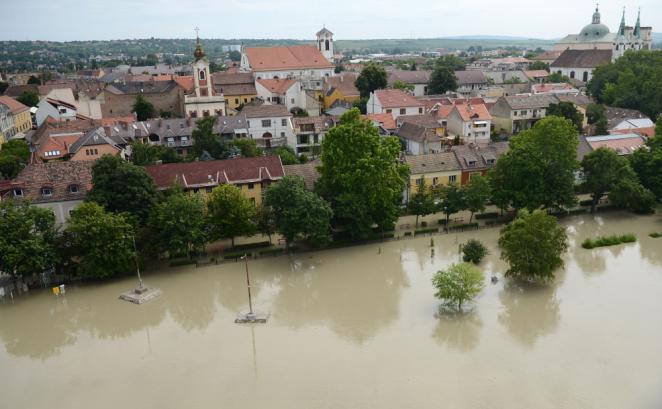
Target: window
{"points": [[96, 152], [452, 179], [236, 101], [326, 45], [201, 75], [283, 122], [208, 189], [316, 139], [585, 76], [46, 191], [193, 114], [205, 113], [388, 111], [420, 110], [572, 74], [282, 134], [523, 112], [291, 100], [419, 182], [515, 113], [18, 192], [303, 139], [266, 123], [252, 199], [73, 189], [403, 111], [245, 100], [251, 186], [435, 181]]}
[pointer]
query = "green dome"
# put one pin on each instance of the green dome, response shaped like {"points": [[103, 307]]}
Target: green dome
{"points": [[593, 32]]}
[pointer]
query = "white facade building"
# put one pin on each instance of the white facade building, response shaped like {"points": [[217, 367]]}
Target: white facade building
{"points": [[269, 126], [325, 43], [394, 102], [204, 101]]}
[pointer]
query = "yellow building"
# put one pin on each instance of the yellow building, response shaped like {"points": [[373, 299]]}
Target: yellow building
{"points": [[432, 170], [251, 175], [340, 88], [20, 114], [238, 88]]}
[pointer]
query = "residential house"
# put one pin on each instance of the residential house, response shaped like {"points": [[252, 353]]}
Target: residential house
{"points": [[537, 76], [471, 122], [478, 160], [7, 126], [57, 110], [513, 114], [306, 171], [579, 64], [616, 116], [340, 89], [94, 144], [471, 83], [580, 101], [166, 96], [547, 57], [232, 127], [251, 175], [280, 91], [269, 125], [623, 144], [631, 124], [20, 114], [238, 88], [419, 140], [309, 134], [431, 171], [304, 62], [428, 120], [418, 79], [384, 123], [60, 186], [554, 88], [394, 102]]}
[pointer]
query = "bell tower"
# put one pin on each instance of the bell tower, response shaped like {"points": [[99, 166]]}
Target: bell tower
{"points": [[325, 43]]}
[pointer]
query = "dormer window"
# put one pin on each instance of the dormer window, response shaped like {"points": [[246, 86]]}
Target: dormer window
{"points": [[73, 189], [46, 192], [18, 192]]}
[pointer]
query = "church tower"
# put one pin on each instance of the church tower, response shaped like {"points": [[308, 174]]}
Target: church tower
{"points": [[202, 100], [201, 76], [325, 43]]}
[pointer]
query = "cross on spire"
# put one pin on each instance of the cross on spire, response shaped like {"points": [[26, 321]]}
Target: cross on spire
{"points": [[197, 32]]}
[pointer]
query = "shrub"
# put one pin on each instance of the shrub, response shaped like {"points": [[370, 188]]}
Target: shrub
{"points": [[407, 233], [655, 235], [487, 215], [423, 231], [587, 202], [608, 241], [474, 251], [239, 247], [424, 224]]}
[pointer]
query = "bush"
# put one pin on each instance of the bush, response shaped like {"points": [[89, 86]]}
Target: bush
{"points": [[655, 235], [239, 247], [424, 231], [487, 215], [586, 202], [608, 241], [407, 233], [424, 224], [233, 255], [474, 251]]}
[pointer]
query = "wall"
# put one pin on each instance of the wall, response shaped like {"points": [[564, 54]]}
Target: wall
{"points": [[61, 210], [101, 150], [443, 179], [122, 104]]}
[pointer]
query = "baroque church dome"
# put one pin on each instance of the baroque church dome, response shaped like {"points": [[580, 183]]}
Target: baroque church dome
{"points": [[595, 30]]}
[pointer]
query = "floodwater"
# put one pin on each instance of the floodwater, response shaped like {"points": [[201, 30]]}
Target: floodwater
{"points": [[352, 328]]}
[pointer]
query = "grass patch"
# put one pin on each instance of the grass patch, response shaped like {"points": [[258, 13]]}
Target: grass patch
{"points": [[487, 215], [655, 235], [609, 241]]}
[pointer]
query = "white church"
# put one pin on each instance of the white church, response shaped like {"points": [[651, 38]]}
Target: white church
{"points": [[203, 101]]}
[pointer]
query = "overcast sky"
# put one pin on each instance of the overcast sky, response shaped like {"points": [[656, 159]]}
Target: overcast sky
{"points": [[348, 19]]}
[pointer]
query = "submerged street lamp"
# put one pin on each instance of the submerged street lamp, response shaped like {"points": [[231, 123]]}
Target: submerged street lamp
{"points": [[140, 294], [250, 316]]}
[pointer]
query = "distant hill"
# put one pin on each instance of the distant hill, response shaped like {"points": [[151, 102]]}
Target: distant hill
{"points": [[657, 37], [492, 37]]}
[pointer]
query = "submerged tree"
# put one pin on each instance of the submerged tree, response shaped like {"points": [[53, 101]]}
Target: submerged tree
{"points": [[458, 284], [230, 213]]}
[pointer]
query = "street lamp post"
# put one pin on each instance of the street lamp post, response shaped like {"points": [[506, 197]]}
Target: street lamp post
{"points": [[248, 284], [135, 252]]}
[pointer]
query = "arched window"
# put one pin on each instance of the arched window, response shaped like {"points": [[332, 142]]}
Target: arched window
{"points": [[326, 45], [585, 76], [201, 75], [572, 74]]}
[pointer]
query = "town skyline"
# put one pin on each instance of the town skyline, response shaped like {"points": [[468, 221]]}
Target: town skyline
{"points": [[369, 20]]}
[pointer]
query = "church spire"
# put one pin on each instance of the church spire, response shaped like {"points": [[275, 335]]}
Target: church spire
{"points": [[621, 28], [596, 15], [637, 27], [199, 52]]}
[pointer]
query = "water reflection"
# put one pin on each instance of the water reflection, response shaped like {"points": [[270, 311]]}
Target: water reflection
{"points": [[588, 261], [355, 303], [529, 310], [459, 331]]}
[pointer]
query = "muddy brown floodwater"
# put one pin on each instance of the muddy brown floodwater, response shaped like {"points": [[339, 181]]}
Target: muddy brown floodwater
{"points": [[352, 328]]}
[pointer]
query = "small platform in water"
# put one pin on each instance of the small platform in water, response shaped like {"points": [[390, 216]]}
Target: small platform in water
{"points": [[140, 295], [251, 318]]}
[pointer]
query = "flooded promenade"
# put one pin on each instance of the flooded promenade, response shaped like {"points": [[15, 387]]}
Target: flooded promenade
{"points": [[356, 327]]}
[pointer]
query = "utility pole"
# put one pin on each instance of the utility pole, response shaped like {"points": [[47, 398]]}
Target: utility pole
{"points": [[248, 284], [135, 251]]}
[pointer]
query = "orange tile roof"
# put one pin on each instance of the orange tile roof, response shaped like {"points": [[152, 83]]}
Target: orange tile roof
{"points": [[395, 98], [536, 73], [14, 106], [385, 120], [59, 143], [471, 112], [185, 82], [286, 58], [277, 86], [117, 119], [444, 110], [647, 132]]}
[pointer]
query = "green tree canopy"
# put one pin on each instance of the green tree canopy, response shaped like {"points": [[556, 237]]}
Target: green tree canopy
{"points": [[595, 112], [299, 213], [230, 213], [120, 187], [360, 175], [539, 65], [538, 170], [287, 155], [458, 284], [14, 155], [372, 77], [29, 98], [144, 109], [647, 164], [403, 86], [568, 111], [556, 78], [632, 81], [102, 241], [178, 224], [603, 168], [476, 194], [147, 154], [248, 147], [532, 245], [452, 200], [631, 195], [442, 79], [421, 203], [27, 236], [205, 140], [453, 62]]}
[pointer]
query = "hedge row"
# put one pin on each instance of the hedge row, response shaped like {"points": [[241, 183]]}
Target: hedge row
{"points": [[608, 241]]}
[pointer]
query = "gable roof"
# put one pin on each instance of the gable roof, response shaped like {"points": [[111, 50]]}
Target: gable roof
{"points": [[94, 137], [529, 101], [294, 57], [472, 157], [344, 83], [386, 121], [277, 85], [417, 133], [432, 162], [215, 172], [582, 58], [426, 120], [14, 106], [265, 111], [232, 78], [470, 112], [307, 171], [623, 144], [408, 77], [57, 176], [470, 77], [533, 74], [395, 98]]}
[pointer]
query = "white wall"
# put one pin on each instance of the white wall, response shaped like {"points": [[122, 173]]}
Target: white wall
{"points": [[579, 72]]}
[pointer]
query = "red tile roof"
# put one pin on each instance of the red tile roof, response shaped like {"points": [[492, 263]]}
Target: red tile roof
{"points": [[56, 175], [215, 172], [533, 74], [185, 82], [395, 98], [286, 58], [470, 112], [385, 120], [14, 106], [277, 86], [647, 132]]}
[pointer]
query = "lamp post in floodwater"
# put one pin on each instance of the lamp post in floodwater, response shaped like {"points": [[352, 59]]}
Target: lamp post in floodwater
{"points": [[248, 285], [140, 294], [251, 316]]}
